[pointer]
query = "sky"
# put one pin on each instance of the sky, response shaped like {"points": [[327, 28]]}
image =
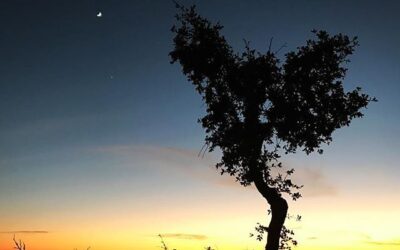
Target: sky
{"points": [[99, 138]]}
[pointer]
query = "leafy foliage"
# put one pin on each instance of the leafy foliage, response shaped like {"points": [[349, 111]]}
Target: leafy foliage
{"points": [[256, 104], [259, 107], [287, 235]]}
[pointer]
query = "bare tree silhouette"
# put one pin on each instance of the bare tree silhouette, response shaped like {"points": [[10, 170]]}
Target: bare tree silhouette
{"points": [[259, 108]]}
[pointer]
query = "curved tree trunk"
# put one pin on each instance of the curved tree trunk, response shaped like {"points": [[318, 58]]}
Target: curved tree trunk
{"points": [[279, 208], [278, 211], [278, 205]]}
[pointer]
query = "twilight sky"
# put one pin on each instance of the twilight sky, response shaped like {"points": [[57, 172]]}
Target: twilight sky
{"points": [[99, 139]]}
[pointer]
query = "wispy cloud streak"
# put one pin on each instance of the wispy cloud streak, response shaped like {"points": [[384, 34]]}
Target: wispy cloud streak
{"points": [[315, 182], [25, 232], [384, 243], [184, 236], [203, 168]]}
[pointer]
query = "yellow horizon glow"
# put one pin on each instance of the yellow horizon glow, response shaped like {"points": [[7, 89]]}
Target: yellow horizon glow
{"points": [[226, 214], [356, 230]]}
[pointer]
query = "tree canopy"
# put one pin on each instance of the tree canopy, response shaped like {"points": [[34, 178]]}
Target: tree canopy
{"points": [[296, 104], [259, 105]]}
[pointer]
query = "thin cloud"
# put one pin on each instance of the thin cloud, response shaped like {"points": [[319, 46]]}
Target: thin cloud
{"points": [[25, 232], [203, 168], [184, 236], [384, 243], [315, 182], [51, 125], [185, 161]]}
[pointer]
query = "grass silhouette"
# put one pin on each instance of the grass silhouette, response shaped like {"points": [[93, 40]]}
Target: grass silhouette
{"points": [[20, 245], [165, 247]]}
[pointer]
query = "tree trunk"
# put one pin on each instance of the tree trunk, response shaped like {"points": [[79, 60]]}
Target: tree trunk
{"points": [[279, 208]]}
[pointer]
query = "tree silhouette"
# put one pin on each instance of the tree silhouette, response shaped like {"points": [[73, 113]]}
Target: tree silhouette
{"points": [[259, 108]]}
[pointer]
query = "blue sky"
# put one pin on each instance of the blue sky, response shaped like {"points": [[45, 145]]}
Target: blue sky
{"points": [[72, 80], [74, 88]]}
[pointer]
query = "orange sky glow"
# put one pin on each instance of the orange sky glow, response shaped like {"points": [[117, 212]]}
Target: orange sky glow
{"points": [[336, 217]]}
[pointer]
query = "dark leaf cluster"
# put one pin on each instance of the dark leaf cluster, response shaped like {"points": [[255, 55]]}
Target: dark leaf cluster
{"points": [[286, 236], [257, 104]]}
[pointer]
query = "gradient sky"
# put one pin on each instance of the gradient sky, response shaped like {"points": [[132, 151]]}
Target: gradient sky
{"points": [[99, 139]]}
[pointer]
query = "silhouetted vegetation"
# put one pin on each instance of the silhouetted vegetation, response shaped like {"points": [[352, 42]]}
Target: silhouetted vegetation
{"points": [[165, 247], [19, 245], [287, 235], [259, 107]]}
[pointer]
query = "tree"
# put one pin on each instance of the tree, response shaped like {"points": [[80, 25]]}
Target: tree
{"points": [[259, 108]]}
